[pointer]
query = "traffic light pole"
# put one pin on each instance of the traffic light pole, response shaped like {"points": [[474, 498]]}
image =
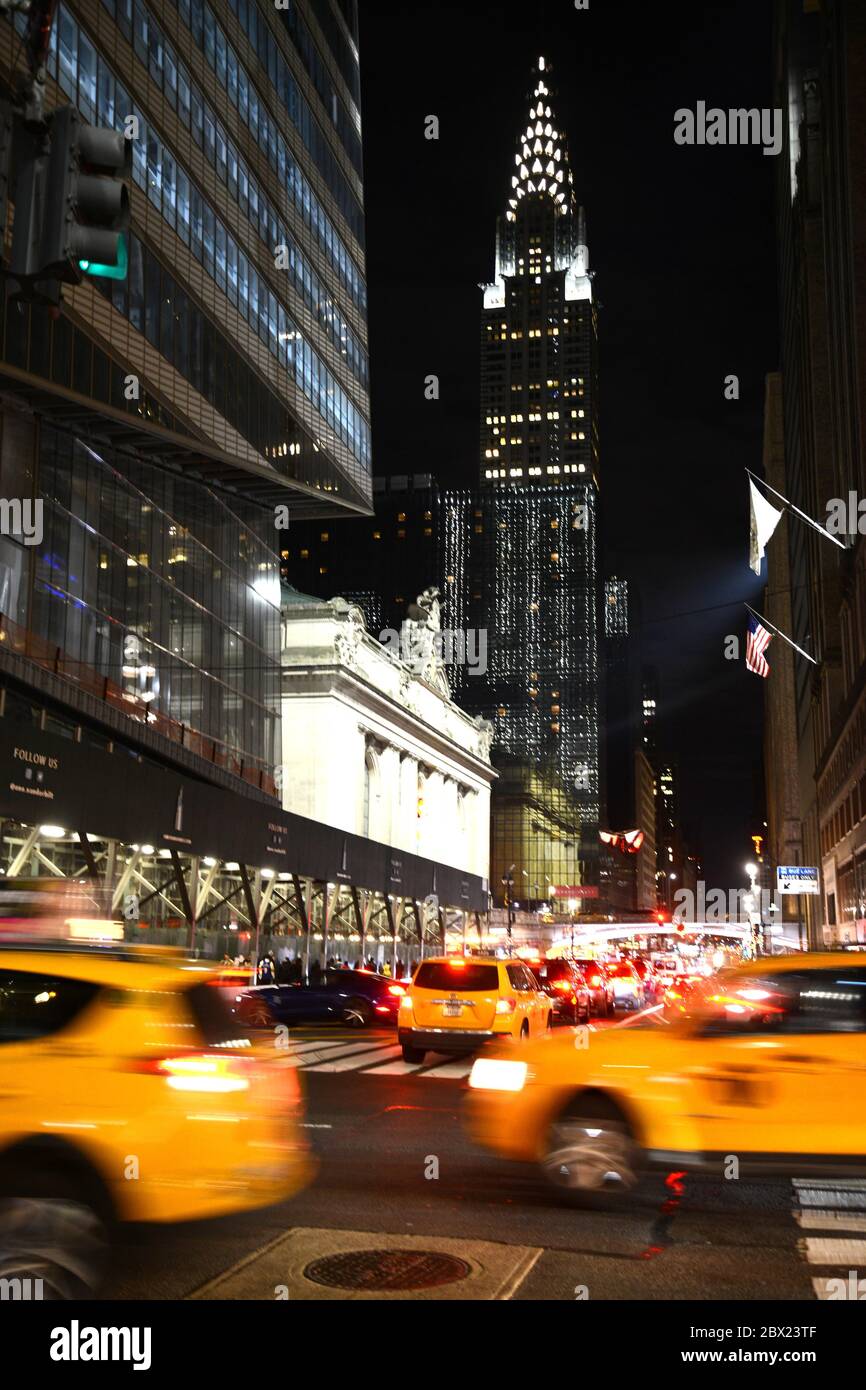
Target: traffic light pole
{"points": [[69, 181], [37, 42]]}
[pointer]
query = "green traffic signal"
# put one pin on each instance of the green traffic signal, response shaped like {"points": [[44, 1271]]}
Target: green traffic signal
{"points": [[109, 272]]}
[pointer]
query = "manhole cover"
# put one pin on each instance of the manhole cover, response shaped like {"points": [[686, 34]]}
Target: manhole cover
{"points": [[387, 1269]]}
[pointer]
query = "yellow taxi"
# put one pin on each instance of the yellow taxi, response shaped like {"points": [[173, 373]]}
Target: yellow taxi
{"points": [[768, 1068], [455, 1003], [128, 1093]]}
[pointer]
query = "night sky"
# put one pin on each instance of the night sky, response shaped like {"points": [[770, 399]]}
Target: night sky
{"points": [[682, 243]]}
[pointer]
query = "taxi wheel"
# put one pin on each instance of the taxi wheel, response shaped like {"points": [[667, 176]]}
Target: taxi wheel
{"points": [[62, 1239], [590, 1154], [413, 1054], [358, 1013]]}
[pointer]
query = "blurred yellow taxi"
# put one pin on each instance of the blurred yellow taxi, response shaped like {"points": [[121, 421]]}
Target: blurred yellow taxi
{"points": [[128, 1093], [769, 1068], [455, 1003]]}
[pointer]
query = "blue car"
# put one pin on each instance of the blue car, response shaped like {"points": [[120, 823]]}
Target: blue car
{"points": [[355, 997]]}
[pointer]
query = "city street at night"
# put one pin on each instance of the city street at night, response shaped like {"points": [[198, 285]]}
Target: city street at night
{"points": [[376, 1123], [432, 687]]}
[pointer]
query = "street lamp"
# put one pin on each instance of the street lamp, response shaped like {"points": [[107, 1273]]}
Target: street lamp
{"points": [[508, 882], [572, 907], [752, 871]]}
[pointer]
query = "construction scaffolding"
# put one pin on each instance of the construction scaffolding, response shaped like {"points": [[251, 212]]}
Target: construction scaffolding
{"points": [[220, 910]]}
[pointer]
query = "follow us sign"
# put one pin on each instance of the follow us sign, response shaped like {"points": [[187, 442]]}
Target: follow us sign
{"points": [[796, 879]]}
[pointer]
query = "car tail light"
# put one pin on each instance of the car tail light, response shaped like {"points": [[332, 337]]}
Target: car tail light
{"points": [[382, 1009], [506, 1005], [201, 1071], [564, 986], [396, 989], [595, 981]]}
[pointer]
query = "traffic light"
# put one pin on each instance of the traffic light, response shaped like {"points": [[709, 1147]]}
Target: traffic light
{"points": [[661, 918], [71, 206], [87, 200]]}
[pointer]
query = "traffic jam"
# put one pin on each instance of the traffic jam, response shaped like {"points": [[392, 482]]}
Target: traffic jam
{"points": [[595, 1069]]}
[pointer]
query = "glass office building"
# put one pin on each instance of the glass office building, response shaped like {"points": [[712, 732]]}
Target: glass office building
{"points": [[164, 421]]}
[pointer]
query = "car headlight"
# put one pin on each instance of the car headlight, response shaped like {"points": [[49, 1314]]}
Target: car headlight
{"points": [[491, 1074]]}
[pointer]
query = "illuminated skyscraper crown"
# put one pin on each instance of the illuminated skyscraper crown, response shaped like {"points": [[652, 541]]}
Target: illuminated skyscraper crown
{"points": [[542, 171], [542, 154]]}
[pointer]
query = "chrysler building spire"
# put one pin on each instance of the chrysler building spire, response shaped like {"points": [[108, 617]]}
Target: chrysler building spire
{"points": [[541, 160], [541, 186]]}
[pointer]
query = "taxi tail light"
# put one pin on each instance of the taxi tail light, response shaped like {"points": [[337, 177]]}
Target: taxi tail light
{"points": [[506, 1005], [200, 1071]]}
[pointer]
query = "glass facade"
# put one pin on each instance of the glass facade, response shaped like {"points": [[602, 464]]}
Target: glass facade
{"points": [[152, 590], [88, 80], [151, 581]]}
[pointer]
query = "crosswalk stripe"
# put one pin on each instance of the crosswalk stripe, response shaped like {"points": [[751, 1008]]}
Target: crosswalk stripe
{"points": [[300, 1048], [453, 1069], [818, 1219], [832, 1184], [825, 1197], [821, 1250], [330, 1054], [398, 1068], [369, 1059]]}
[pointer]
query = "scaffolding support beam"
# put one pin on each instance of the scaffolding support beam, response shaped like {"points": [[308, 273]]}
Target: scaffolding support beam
{"points": [[123, 882], [23, 854]]}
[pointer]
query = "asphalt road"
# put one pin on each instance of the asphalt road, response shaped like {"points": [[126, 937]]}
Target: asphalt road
{"points": [[396, 1169]]}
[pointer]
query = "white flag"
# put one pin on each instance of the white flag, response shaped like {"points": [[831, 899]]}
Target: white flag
{"points": [[764, 520]]}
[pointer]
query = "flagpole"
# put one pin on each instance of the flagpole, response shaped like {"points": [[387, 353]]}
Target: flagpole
{"points": [[803, 515], [779, 633]]}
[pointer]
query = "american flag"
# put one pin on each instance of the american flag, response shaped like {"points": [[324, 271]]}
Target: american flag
{"points": [[757, 642]]}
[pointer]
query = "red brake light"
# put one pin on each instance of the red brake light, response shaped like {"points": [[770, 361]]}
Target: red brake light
{"points": [[396, 989], [200, 1071], [563, 985], [595, 980]]}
